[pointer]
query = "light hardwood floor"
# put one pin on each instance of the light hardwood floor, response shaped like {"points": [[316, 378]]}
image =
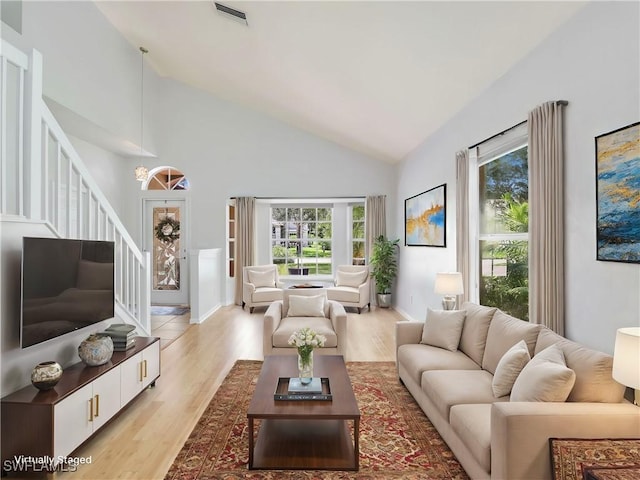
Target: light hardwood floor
{"points": [[143, 440]]}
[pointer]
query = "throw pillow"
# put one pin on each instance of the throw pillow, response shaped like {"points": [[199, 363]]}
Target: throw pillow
{"points": [[261, 278], [443, 328], [306, 306], [546, 378], [351, 279], [509, 367]]}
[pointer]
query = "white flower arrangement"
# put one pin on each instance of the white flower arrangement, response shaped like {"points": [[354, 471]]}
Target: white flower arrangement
{"points": [[305, 340]]}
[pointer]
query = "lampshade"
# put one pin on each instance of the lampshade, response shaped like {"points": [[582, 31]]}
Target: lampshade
{"points": [[141, 172], [626, 357], [449, 283]]}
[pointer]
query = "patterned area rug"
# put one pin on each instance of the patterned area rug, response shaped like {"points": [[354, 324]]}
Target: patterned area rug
{"points": [[397, 441], [577, 458]]}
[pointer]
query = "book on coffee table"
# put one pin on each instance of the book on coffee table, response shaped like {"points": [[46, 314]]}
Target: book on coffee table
{"points": [[296, 386], [282, 390]]}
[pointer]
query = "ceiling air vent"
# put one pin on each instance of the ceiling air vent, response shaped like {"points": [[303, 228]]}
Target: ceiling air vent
{"points": [[232, 13]]}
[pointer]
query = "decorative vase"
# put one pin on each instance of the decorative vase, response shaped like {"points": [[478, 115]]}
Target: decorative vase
{"points": [[96, 350], [45, 375], [305, 367]]}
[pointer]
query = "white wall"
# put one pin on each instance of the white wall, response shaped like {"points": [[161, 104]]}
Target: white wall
{"points": [[593, 62], [229, 151]]}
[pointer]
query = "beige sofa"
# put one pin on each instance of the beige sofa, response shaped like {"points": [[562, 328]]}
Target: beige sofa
{"points": [[496, 437]]}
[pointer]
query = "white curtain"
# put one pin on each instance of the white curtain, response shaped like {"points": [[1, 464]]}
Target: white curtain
{"points": [[462, 222], [244, 254], [376, 220], [546, 216], [376, 225]]}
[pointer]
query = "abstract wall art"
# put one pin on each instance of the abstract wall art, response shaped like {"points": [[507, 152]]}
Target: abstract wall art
{"points": [[425, 218], [618, 195]]}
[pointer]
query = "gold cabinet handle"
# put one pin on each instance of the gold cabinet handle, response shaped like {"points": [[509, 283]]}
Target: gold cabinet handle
{"points": [[145, 368], [141, 371], [97, 406], [91, 409]]}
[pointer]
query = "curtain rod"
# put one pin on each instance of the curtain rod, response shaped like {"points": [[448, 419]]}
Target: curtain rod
{"points": [[563, 103], [307, 198]]}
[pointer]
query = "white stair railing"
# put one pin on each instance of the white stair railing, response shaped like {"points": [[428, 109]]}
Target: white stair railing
{"points": [[42, 178]]}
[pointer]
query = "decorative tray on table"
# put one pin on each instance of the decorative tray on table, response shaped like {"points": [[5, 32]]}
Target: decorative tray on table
{"points": [[320, 390]]}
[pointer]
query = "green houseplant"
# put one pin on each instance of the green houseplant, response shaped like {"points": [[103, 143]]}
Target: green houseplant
{"points": [[385, 267]]}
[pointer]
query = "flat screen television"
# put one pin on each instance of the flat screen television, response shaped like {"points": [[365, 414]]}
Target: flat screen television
{"points": [[66, 285]]}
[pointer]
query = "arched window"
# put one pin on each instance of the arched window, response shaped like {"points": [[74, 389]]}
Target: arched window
{"points": [[166, 178]]}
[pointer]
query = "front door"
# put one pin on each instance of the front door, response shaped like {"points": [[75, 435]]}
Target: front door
{"points": [[165, 237]]}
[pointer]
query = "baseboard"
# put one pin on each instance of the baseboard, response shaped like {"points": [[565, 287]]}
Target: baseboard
{"points": [[204, 316]]}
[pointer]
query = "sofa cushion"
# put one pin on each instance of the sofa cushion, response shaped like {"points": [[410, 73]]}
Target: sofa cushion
{"points": [[443, 328], [594, 381], [351, 279], [265, 294], [417, 358], [474, 331], [308, 292], [509, 367], [306, 306], [344, 294], [546, 378], [288, 325], [446, 388], [472, 424], [260, 278], [504, 332]]}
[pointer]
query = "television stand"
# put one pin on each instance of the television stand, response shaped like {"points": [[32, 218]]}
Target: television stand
{"points": [[52, 424]]}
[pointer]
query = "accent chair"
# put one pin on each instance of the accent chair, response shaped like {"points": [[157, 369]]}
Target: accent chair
{"points": [[305, 308], [352, 286], [261, 286]]}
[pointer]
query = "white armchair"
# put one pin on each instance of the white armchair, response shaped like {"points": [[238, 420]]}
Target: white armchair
{"points": [[323, 316], [352, 286], [261, 286]]}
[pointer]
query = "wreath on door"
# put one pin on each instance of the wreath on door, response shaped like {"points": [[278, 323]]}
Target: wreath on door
{"points": [[167, 230]]}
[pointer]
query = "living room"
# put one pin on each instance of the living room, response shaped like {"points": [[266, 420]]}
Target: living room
{"points": [[90, 69]]}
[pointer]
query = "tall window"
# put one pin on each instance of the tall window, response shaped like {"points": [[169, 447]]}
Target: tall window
{"points": [[503, 223], [357, 235], [301, 240]]}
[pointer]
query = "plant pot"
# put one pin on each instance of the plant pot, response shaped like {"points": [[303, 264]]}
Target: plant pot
{"points": [[298, 271], [384, 300]]}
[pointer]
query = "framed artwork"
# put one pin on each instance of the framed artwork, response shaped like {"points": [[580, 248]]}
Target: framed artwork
{"points": [[618, 195], [425, 218]]}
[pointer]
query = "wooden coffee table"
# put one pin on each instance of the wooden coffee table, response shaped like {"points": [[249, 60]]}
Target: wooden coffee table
{"points": [[304, 434]]}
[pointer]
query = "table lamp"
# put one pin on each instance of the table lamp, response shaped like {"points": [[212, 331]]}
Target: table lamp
{"points": [[449, 285], [626, 359]]}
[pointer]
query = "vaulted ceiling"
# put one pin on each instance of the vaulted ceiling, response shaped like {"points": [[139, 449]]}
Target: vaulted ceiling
{"points": [[377, 77]]}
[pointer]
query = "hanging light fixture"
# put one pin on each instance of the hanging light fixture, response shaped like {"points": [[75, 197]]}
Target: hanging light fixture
{"points": [[141, 172]]}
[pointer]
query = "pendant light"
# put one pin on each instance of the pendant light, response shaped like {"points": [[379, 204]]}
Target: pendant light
{"points": [[141, 172]]}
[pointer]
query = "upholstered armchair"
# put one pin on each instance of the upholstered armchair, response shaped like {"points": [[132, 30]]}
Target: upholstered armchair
{"points": [[305, 308], [260, 286], [352, 286]]}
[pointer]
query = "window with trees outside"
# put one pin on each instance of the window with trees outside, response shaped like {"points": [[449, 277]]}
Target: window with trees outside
{"points": [[357, 235], [301, 239], [503, 221]]}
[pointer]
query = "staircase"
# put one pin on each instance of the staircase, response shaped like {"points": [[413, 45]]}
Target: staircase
{"points": [[43, 180]]}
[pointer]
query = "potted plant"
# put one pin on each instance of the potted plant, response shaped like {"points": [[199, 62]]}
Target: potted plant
{"points": [[385, 267]]}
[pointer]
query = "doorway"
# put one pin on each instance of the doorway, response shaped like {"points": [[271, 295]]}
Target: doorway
{"points": [[166, 238]]}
